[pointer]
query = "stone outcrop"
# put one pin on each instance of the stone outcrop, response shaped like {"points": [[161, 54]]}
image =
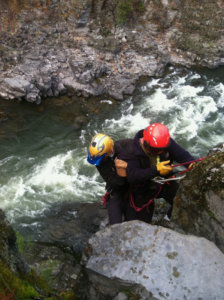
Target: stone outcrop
{"points": [[15, 281], [98, 47], [147, 262], [199, 203], [55, 249], [49, 263], [9, 253]]}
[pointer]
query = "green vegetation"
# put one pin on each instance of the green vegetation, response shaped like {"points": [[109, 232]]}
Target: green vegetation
{"points": [[20, 242], [131, 295], [47, 268], [10, 284], [27, 287], [126, 9]]}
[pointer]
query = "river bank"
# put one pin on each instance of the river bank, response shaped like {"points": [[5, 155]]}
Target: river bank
{"points": [[54, 48]]}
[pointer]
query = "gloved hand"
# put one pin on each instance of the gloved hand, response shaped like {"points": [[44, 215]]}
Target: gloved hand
{"points": [[164, 168], [191, 166]]}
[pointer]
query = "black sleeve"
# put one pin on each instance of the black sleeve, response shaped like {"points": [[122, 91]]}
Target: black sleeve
{"points": [[179, 154], [137, 174], [108, 173]]}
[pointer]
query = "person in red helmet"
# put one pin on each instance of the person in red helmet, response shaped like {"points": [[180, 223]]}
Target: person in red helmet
{"points": [[151, 154]]}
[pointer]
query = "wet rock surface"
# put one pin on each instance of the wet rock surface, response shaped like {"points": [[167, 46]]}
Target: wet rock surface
{"points": [[9, 253], [54, 251]]}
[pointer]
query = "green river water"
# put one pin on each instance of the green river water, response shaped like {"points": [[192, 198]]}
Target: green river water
{"points": [[43, 148]]}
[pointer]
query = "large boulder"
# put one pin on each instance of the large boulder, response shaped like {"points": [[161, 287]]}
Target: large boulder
{"points": [[199, 203], [138, 260]]}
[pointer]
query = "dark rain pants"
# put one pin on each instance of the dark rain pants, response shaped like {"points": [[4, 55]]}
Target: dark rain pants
{"points": [[119, 208], [168, 193]]}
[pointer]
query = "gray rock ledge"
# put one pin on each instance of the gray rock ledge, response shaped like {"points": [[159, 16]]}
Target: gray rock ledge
{"points": [[154, 263]]}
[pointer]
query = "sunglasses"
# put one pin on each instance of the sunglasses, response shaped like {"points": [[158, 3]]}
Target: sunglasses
{"points": [[152, 149]]}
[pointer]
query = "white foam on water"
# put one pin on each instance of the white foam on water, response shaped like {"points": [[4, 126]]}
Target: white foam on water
{"points": [[187, 91], [106, 101], [63, 172], [159, 102], [184, 108], [6, 160], [129, 124], [56, 179], [220, 89]]}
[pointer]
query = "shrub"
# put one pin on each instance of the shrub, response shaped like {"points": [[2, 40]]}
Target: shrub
{"points": [[126, 9]]}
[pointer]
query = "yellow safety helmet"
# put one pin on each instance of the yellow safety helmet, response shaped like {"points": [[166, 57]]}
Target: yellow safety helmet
{"points": [[101, 145]]}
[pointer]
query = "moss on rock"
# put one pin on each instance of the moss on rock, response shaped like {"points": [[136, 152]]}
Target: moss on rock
{"points": [[198, 205], [20, 288]]}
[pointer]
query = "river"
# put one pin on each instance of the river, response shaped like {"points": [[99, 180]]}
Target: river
{"points": [[43, 154]]}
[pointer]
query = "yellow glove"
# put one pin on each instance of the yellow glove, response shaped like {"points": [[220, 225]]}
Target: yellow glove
{"points": [[164, 168], [191, 166]]}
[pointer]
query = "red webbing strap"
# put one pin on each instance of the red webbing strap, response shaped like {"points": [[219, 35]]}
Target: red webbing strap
{"points": [[136, 208], [105, 197], [189, 162]]}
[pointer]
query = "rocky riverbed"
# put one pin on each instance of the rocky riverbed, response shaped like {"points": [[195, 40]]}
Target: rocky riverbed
{"points": [[93, 48]]}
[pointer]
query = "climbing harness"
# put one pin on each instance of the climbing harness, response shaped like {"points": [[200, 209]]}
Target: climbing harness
{"points": [[105, 198], [136, 208], [161, 181]]}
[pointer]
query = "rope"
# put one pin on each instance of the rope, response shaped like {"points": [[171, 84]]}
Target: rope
{"points": [[136, 208], [161, 180], [105, 198], [188, 162]]}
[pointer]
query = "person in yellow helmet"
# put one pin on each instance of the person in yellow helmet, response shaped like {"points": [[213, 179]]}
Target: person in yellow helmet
{"points": [[102, 153]]}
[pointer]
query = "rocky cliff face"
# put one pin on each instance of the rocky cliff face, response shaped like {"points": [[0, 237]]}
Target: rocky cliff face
{"points": [[15, 281], [98, 47], [199, 203], [9, 254]]}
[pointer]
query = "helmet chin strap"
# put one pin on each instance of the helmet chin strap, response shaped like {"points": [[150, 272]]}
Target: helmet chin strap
{"points": [[111, 153], [142, 141]]}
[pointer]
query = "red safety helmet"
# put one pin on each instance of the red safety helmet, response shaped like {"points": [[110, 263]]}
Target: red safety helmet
{"points": [[156, 136]]}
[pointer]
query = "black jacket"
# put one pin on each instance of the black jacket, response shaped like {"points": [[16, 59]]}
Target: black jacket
{"points": [[107, 170], [139, 169]]}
